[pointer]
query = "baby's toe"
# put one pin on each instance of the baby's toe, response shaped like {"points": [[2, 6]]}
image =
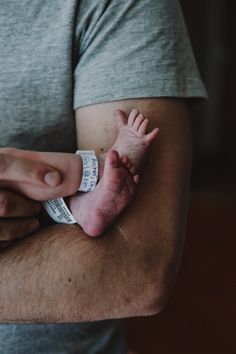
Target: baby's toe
{"points": [[136, 178], [134, 113], [132, 170], [143, 127], [129, 165], [112, 158], [138, 121], [124, 159], [151, 136]]}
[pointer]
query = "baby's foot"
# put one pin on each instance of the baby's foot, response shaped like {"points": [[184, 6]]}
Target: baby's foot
{"points": [[132, 139], [96, 210]]}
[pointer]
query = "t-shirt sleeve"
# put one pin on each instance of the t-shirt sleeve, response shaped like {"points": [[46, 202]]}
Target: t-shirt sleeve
{"points": [[133, 49]]}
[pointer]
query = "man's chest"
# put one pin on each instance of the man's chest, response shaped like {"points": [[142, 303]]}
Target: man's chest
{"points": [[35, 71]]}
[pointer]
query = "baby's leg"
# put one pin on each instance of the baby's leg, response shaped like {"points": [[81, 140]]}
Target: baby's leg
{"points": [[96, 210]]}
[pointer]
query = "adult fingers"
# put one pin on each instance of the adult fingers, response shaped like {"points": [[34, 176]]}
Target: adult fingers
{"points": [[16, 205], [25, 170], [17, 228]]}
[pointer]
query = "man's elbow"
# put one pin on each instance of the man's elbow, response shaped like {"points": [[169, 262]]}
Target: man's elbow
{"points": [[156, 293], [156, 299]]}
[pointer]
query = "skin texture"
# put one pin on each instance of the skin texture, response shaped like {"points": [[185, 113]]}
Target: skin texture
{"points": [[61, 275], [95, 211]]}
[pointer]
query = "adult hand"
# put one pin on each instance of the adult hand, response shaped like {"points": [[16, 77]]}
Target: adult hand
{"points": [[17, 212], [17, 216], [40, 175], [23, 170]]}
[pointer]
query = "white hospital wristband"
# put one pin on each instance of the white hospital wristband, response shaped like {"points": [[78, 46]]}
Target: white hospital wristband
{"points": [[57, 208], [59, 211], [90, 170]]}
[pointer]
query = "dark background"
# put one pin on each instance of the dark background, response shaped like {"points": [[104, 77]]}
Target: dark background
{"points": [[201, 315]]}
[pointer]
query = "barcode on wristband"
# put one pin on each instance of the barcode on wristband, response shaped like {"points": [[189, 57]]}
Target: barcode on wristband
{"points": [[59, 212]]}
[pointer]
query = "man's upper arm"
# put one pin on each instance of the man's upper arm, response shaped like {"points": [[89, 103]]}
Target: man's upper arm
{"points": [[154, 223], [62, 275], [133, 56]]}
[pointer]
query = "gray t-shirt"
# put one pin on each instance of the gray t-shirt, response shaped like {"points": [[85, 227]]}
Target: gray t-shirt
{"points": [[58, 55]]}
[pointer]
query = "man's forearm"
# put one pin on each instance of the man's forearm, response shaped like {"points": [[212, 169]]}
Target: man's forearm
{"points": [[61, 275]]}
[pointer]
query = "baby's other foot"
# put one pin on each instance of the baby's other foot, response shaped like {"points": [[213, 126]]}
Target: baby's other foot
{"points": [[96, 210], [133, 140]]}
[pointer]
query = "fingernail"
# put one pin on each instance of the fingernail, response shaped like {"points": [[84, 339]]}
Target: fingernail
{"points": [[33, 226], [52, 178]]}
